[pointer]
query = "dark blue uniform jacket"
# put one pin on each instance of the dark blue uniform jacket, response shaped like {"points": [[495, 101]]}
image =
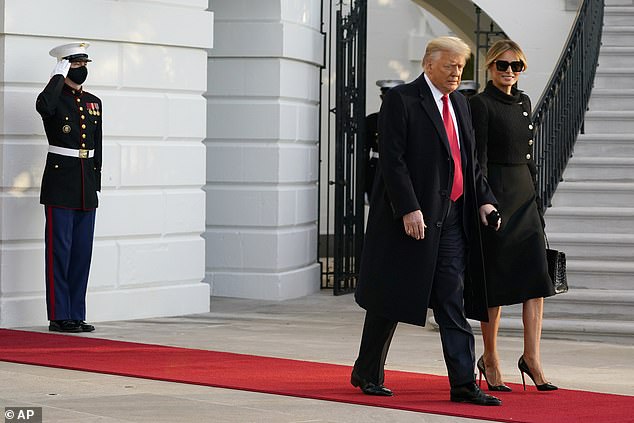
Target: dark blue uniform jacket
{"points": [[72, 119]]}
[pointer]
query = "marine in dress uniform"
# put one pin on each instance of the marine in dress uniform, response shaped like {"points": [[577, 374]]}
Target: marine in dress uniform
{"points": [[372, 137], [71, 180]]}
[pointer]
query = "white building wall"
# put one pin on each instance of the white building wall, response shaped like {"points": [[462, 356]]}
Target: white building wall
{"points": [[262, 158], [148, 256], [398, 33]]}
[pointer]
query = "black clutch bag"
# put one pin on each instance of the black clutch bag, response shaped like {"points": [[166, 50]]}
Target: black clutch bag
{"points": [[557, 269]]}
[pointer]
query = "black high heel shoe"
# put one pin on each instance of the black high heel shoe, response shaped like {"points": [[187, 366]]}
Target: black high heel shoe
{"points": [[523, 367], [482, 371]]}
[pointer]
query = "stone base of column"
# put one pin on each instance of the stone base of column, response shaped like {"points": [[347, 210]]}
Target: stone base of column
{"points": [[114, 305], [266, 286]]}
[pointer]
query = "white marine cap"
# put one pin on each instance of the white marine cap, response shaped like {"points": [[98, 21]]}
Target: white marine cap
{"points": [[72, 52], [386, 84]]}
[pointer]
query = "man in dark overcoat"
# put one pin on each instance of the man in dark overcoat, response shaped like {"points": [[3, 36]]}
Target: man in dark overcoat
{"points": [[71, 180], [423, 235]]}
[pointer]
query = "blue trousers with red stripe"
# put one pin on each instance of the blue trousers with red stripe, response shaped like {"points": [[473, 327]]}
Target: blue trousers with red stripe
{"points": [[69, 238]]}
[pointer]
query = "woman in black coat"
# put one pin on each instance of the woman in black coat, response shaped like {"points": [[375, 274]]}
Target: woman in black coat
{"points": [[515, 255]]}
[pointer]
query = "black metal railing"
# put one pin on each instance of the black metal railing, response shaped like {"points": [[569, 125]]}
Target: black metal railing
{"points": [[340, 251], [559, 115]]}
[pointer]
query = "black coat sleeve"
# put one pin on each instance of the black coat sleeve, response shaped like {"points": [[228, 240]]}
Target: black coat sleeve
{"points": [[47, 100], [480, 119], [392, 149]]}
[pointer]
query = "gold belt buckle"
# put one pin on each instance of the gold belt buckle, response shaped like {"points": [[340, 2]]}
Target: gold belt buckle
{"points": [[83, 154]]}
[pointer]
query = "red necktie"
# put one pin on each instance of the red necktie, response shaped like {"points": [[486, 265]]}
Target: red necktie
{"points": [[456, 188]]}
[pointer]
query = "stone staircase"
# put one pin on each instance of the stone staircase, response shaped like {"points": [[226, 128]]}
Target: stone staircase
{"points": [[592, 218]]}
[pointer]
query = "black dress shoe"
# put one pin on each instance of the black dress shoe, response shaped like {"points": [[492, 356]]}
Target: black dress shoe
{"points": [[68, 326], [85, 327], [473, 395], [369, 388]]}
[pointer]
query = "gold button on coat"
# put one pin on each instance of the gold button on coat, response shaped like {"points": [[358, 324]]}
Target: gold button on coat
{"points": [[530, 126], [530, 142], [528, 157]]}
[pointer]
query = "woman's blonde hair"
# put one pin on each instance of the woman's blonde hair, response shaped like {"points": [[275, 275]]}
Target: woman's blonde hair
{"points": [[502, 46], [450, 44]]}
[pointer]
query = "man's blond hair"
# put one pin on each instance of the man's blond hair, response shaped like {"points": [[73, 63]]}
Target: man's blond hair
{"points": [[447, 44]]}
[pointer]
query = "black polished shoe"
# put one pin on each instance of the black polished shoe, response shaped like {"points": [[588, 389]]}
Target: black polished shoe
{"points": [[68, 326], [85, 327], [473, 395], [482, 371], [369, 388]]}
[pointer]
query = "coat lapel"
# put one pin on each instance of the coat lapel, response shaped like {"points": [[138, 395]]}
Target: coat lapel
{"points": [[429, 105]]}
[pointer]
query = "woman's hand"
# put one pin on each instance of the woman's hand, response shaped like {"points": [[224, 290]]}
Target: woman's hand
{"points": [[485, 209]]}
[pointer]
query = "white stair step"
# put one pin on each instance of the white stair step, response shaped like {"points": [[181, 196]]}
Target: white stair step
{"points": [[618, 36], [592, 246], [594, 274], [604, 99], [613, 304], [605, 144], [594, 194], [575, 221], [619, 3], [614, 78], [621, 331], [600, 168], [595, 303], [615, 122], [616, 56], [618, 16]]}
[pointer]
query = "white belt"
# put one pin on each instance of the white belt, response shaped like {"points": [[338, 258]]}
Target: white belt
{"points": [[71, 152]]}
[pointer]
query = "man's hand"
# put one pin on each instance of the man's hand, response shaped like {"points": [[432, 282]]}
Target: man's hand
{"points": [[485, 209], [61, 68], [414, 224]]}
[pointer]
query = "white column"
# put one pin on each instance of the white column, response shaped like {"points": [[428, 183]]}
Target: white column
{"points": [[262, 156], [148, 257]]}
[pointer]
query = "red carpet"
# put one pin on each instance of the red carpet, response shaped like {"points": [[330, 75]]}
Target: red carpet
{"points": [[413, 391]]}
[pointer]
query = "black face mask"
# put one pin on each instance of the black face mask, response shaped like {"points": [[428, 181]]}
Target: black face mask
{"points": [[78, 75]]}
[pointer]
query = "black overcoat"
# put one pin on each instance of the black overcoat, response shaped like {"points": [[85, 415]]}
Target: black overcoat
{"points": [[416, 172], [72, 119]]}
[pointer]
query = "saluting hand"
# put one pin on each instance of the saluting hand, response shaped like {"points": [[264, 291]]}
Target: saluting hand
{"points": [[61, 68], [414, 224]]}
